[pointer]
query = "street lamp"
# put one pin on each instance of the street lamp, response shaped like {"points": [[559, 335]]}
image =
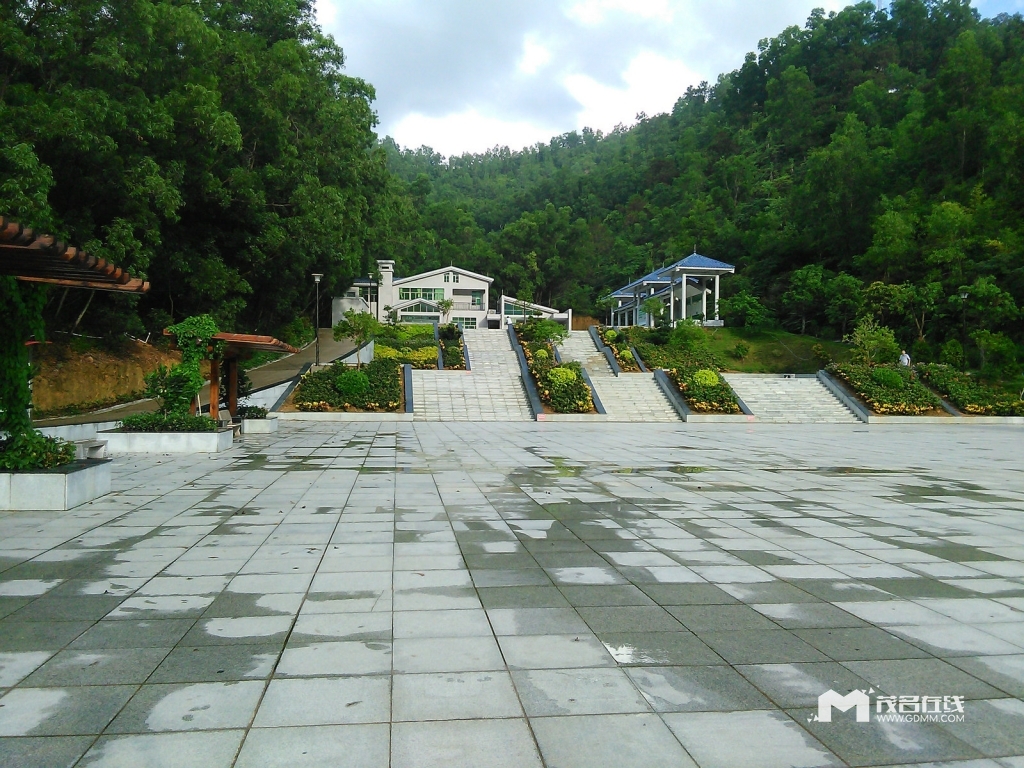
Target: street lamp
{"points": [[316, 279], [963, 310]]}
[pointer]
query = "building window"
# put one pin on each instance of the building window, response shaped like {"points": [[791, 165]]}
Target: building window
{"points": [[418, 319], [447, 277], [455, 277], [466, 323], [369, 293], [478, 298], [518, 310], [430, 294], [420, 307]]}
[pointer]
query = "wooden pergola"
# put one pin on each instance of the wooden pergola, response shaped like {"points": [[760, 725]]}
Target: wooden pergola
{"points": [[237, 347], [37, 258]]}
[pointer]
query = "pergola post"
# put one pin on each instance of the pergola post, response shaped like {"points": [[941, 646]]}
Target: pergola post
{"points": [[704, 299], [672, 300], [683, 312], [716, 295], [215, 389], [233, 386]]}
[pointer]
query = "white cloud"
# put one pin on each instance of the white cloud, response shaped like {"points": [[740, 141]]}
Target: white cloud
{"points": [[469, 131], [535, 56], [652, 84], [594, 12]]}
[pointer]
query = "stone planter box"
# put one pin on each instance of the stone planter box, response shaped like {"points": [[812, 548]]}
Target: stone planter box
{"points": [[55, 489], [265, 426], [168, 442]]}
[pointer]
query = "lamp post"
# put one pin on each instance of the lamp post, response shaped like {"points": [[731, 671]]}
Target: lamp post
{"points": [[316, 279], [963, 313]]}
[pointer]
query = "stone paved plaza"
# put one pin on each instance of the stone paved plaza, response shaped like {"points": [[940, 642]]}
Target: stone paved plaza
{"points": [[510, 595]]}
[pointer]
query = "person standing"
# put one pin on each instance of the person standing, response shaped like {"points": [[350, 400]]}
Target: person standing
{"points": [[904, 359]]}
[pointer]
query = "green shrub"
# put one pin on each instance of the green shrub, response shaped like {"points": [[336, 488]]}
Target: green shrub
{"points": [[887, 377], [909, 398], [626, 356], [449, 332], [536, 329], [922, 352], [714, 398], [968, 394], [560, 376], [167, 422], [689, 336], [252, 412], [952, 353], [610, 336], [741, 350], [451, 352], [317, 391], [873, 343], [705, 378], [351, 385], [542, 354], [998, 353], [33, 450]]}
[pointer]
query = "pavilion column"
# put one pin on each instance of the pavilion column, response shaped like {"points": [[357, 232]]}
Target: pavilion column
{"points": [[671, 300], [716, 295], [704, 298], [682, 313], [215, 389], [233, 386]]}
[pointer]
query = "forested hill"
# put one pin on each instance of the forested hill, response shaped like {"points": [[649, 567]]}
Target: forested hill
{"points": [[886, 145]]}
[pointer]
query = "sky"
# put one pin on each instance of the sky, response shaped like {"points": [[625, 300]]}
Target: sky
{"points": [[468, 75]]}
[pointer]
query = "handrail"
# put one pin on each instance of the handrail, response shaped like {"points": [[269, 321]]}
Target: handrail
{"points": [[291, 387], [636, 357], [407, 379], [837, 389], [675, 399], [524, 371]]}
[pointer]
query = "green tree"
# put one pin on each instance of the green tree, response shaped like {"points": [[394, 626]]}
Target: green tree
{"points": [[805, 298], [844, 295], [359, 327]]}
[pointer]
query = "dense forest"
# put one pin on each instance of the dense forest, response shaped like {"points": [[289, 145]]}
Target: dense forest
{"points": [[871, 160], [213, 146]]}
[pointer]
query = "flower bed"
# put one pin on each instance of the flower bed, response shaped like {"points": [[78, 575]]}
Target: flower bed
{"points": [[450, 339], [377, 387], [407, 345], [619, 344], [167, 422], [561, 386], [33, 450], [689, 364], [967, 393], [889, 390]]}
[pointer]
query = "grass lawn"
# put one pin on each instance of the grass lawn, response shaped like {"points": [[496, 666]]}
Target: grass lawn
{"points": [[772, 351]]}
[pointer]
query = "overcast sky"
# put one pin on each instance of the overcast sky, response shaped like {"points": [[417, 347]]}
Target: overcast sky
{"points": [[467, 75]]}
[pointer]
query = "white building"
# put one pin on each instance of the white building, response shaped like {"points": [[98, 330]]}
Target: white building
{"points": [[415, 299], [688, 290]]}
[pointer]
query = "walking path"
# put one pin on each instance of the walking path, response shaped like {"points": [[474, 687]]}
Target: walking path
{"points": [[631, 397], [491, 391]]}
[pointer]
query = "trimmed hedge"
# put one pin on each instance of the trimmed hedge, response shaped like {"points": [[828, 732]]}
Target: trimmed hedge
{"points": [[318, 390], [893, 393], [968, 394], [167, 422]]}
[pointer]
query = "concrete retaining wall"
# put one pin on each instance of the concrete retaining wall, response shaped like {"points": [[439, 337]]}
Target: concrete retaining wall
{"points": [[55, 490]]}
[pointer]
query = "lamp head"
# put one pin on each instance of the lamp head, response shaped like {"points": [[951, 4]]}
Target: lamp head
{"points": [[316, 277], [964, 295]]}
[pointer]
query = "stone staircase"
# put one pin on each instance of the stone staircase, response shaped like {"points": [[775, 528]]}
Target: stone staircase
{"points": [[492, 391], [633, 397], [789, 400]]}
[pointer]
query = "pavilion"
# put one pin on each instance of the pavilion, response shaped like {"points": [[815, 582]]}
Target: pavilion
{"points": [[685, 289]]}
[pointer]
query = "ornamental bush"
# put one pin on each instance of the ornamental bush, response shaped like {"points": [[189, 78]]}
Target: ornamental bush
{"points": [[887, 377], [561, 376], [351, 385], [626, 356], [34, 450], [451, 353], [318, 390], [952, 353], [705, 378], [535, 329], [252, 412], [610, 336]]}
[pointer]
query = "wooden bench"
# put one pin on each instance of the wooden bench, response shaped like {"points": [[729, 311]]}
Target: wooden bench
{"points": [[90, 449]]}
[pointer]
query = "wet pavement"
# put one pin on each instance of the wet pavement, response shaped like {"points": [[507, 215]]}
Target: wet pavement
{"points": [[575, 596]]}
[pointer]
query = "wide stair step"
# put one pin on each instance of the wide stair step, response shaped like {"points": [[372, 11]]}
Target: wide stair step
{"points": [[789, 400], [492, 391], [579, 347], [634, 397]]}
